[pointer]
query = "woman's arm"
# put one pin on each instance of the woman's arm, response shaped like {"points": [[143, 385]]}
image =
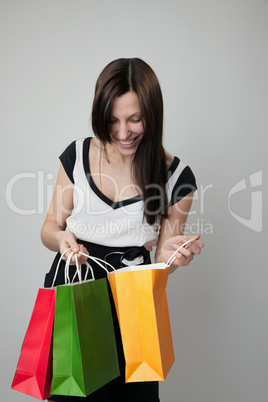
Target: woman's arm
{"points": [[171, 235], [53, 234]]}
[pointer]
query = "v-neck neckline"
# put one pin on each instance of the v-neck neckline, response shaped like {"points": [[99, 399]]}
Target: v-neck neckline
{"points": [[99, 193]]}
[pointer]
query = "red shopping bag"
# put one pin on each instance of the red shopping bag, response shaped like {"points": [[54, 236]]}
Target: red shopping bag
{"points": [[34, 370]]}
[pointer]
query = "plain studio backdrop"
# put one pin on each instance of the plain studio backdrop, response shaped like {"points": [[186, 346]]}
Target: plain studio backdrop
{"points": [[211, 58]]}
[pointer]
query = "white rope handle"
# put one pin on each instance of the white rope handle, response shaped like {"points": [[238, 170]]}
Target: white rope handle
{"points": [[88, 268], [173, 256], [67, 269], [78, 272], [97, 260], [58, 265]]}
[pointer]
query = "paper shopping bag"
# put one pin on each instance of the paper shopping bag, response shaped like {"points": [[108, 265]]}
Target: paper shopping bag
{"points": [[141, 303], [34, 370], [84, 346]]}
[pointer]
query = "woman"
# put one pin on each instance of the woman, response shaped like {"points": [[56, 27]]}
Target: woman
{"points": [[120, 193]]}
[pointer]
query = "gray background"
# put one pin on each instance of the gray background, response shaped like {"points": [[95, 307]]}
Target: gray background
{"points": [[211, 58]]}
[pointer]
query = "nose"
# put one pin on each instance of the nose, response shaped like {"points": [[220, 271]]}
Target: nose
{"points": [[123, 131]]}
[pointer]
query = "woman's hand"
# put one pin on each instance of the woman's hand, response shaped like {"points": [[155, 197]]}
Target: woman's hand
{"points": [[186, 254], [68, 240]]}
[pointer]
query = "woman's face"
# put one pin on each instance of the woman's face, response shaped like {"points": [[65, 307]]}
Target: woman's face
{"points": [[126, 124]]}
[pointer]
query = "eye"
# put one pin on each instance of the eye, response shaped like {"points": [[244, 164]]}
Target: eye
{"points": [[112, 121], [135, 120]]}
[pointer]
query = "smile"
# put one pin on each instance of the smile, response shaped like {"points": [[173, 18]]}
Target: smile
{"points": [[127, 143]]}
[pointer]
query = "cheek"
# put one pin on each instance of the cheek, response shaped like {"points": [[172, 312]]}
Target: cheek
{"points": [[138, 128], [112, 129]]}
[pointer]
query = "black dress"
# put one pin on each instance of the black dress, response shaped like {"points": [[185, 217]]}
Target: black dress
{"points": [[116, 390]]}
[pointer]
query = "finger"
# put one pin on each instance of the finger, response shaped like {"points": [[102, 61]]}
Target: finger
{"points": [[66, 254], [75, 248], [194, 248], [83, 249], [181, 260], [73, 244], [195, 245], [189, 256], [187, 238], [195, 241], [199, 243], [180, 240], [81, 258], [74, 259], [186, 252], [183, 257]]}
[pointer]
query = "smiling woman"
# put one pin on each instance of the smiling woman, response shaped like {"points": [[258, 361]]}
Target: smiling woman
{"points": [[130, 87], [121, 193]]}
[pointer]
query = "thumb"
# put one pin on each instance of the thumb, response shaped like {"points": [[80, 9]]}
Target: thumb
{"points": [[186, 238], [183, 239]]}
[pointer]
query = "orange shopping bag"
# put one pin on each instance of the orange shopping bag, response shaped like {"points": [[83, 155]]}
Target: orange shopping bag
{"points": [[139, 294], [141, 303]]}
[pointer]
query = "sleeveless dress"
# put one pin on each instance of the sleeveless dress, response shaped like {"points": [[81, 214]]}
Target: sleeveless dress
{"points": [[117, 233]]}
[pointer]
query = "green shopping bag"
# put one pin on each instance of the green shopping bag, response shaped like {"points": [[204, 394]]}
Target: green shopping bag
{"points": [[84, 345]]}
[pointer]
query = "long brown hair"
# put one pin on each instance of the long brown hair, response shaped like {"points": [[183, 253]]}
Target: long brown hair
{"points": [[149, 162]]}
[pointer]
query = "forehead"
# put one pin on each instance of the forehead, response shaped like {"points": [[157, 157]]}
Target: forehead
{"points": [[127, 103]]}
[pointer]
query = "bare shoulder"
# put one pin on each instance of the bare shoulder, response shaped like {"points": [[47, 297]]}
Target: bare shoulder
{"points": [[95, 143], [169, 158], [95, 149]]}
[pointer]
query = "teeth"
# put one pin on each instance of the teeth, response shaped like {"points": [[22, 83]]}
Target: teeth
{"points": [[127, 142]]}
